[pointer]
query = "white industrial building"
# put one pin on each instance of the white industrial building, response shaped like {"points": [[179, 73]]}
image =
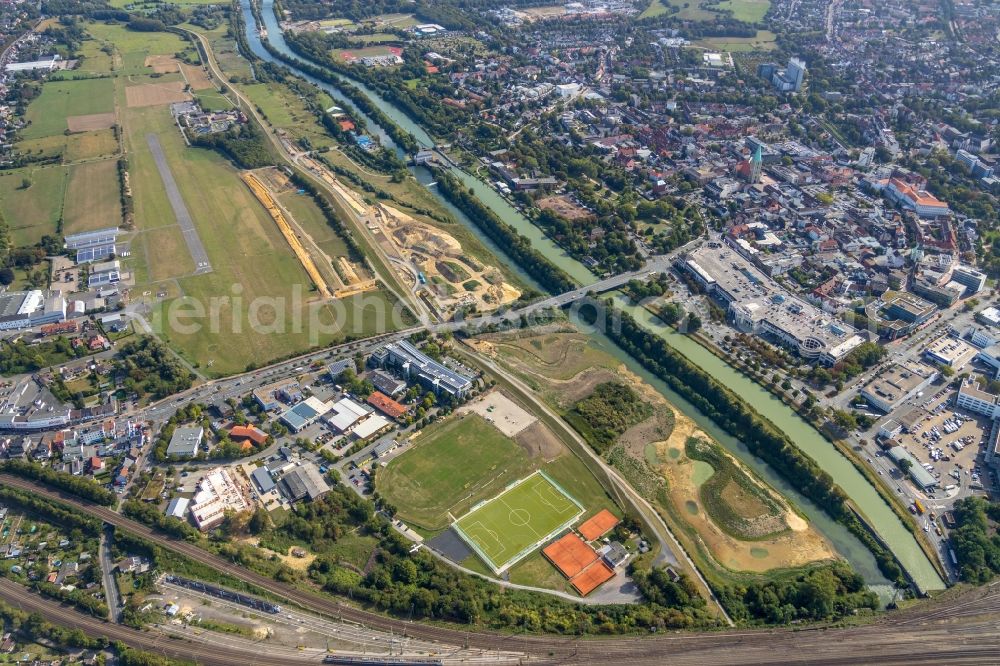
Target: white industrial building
{"points": [[24, 309]]}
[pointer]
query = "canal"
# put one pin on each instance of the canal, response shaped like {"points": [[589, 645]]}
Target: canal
{"points": [[884, 520]]}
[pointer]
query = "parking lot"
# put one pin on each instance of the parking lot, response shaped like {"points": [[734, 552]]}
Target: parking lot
{"points": [[947, 441]]}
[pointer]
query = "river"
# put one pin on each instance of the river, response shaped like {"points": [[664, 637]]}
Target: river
{"points": [[886, 523], [487, 194]]}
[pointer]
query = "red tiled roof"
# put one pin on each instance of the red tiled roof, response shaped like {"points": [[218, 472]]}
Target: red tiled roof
{"points": [[386, 405], [256, 435]]}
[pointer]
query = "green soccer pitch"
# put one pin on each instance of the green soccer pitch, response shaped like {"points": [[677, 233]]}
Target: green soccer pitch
{"points": [[512, 525]]}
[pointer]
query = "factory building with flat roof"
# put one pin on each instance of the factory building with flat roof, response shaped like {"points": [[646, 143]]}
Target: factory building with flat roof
{"points": [[25, 309], [896, 384]]}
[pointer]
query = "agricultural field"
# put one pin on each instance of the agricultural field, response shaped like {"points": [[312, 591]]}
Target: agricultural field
{"points": [[748, 11], [134, 47], [729, 520], [764, 41], [32, 211], [47, 114], [504, 529], [93, 199]]}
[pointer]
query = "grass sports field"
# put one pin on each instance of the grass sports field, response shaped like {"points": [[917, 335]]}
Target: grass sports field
{"points": [[513, 524], [451, 467]]}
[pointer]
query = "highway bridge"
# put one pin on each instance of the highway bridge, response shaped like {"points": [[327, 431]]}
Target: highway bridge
{"points": [[960, 628]]}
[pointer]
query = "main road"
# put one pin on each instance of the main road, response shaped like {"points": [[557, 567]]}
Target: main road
{"points": [[959, 630]]}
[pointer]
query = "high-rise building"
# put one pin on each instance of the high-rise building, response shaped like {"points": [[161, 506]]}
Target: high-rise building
{"points": [[795, 72], [790, 78]]}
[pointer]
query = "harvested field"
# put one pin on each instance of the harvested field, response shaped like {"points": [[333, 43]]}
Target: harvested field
{"points": [[196, 77], [156, 94], [88, 145], [90, 122], [162, 64], [564, 207], [539, 442]]}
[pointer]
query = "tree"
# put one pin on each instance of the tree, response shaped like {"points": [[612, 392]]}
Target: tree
{"points": [[6, 276], [904, 464]]}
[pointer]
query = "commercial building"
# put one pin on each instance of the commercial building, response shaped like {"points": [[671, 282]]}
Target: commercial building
{"points": [[251, 434], [973, 280], [303, 414], [371, 426], [890, 429], [178, 507], [345, 414], [920, 476], [417, 366], [973, 398], [269, 397], [337, 368], [184, 442], [386, 383], [896, 384], [908, 307], [25, 309], [950, 351], [989, 316], [756, 304], [303, 482], [217, 493]]}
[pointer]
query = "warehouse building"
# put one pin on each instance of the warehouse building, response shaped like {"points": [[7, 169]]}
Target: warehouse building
{"points": [[304, 414], [184, 442], [920, 476], [303, 482], [25, 309]]}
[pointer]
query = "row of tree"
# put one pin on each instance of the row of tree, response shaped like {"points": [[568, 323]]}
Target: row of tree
{"points": [[516, 246], [75, 485]]}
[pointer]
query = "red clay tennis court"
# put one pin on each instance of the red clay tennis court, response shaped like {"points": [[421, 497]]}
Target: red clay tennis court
{"points": [[591, 578], [594, 528], [570, 555]]}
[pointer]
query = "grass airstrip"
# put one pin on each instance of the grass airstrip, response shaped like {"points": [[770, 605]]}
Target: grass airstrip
{"points": [[73, 125]]}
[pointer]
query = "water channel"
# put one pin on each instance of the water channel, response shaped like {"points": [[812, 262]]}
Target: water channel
{"points": [[887, 524]]}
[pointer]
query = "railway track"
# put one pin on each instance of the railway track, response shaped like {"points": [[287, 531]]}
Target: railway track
{"points": [[912, 637]]}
